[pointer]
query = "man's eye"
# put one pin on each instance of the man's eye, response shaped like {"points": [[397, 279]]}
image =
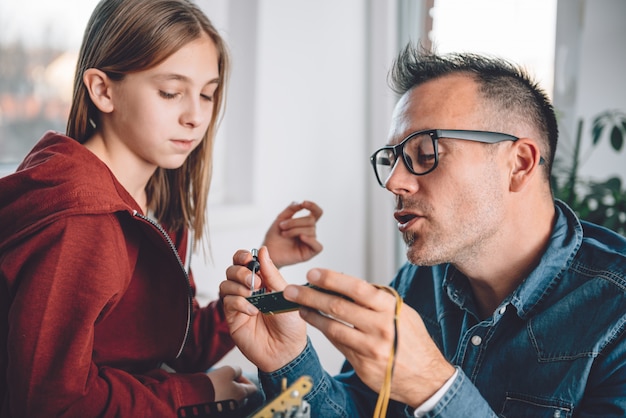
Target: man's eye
{"points": [[423, 158], [386, 159]]}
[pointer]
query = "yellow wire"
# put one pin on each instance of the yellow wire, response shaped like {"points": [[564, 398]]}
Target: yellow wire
{"points": [[385, 391]]}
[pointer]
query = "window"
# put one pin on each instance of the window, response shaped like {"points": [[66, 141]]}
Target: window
{"points": [[38, 50], [500, 28]]}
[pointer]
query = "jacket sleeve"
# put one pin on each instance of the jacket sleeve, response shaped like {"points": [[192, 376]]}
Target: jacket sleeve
{"points": [[61, 282]]}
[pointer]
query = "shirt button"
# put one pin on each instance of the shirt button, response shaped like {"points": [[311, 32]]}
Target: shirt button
{"points": [[502, 310], [476, 340]]}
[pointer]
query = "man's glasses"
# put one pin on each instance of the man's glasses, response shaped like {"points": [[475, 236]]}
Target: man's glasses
{"points": [[419, 150]]}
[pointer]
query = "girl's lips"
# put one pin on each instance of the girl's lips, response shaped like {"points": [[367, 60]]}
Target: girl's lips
{"points": [[183, 144]]}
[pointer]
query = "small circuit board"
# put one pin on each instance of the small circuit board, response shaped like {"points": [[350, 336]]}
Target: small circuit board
{"points": [[271, 303]]}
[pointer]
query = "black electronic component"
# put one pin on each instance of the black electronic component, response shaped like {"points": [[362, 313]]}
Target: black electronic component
{"points": [[271, 303]]}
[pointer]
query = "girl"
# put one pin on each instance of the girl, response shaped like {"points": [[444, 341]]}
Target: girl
{"points": [[97, 308]]}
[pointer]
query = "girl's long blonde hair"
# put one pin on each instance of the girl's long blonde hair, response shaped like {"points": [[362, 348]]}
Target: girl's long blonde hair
{"points": [[126, 36]]}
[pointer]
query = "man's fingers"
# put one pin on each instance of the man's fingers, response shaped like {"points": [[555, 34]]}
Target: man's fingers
{"points": [[358, 290]]}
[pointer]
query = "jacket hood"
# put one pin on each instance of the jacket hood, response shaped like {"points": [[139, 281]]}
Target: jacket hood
{"points": [[58, 178]]}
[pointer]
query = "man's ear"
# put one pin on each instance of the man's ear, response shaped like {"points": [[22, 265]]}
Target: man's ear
{"points": [[98, 85], [526, 163]]}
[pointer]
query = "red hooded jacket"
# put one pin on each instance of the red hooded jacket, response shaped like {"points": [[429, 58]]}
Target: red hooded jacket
{"points": [[94, 298]]}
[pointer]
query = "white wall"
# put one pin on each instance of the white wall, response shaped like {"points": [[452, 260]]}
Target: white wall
{"points": [[299, 125], [590, 64]]}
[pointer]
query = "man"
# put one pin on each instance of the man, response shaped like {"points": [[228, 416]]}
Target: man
{"points": [[512, 306]]}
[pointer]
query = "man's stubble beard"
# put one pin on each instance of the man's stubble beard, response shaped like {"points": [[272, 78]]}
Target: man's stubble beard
{"points": [[422, 255]]}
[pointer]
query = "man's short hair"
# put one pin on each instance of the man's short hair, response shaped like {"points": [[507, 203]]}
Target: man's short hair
{"points": [[511, 95]]}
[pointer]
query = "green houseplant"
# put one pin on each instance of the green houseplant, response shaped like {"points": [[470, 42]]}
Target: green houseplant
{"points": [[602, 202]]}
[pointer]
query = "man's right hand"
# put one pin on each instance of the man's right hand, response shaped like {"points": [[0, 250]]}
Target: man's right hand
{"points": [[268, 341]]}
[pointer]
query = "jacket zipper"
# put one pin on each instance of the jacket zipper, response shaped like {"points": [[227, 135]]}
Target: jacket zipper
{"points": [[182, 267]]}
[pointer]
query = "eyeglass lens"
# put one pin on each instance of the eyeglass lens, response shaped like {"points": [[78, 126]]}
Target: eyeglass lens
{"points": [[418, 153]]}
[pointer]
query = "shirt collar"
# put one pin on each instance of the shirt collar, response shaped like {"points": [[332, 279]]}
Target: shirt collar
{"points": [[565, 241]]}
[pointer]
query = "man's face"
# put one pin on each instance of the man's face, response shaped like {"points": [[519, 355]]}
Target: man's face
{"points": [[453, 213]]}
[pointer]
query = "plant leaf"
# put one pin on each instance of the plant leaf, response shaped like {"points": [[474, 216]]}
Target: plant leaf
{"points": [[596, 131], [617, 138], [614, 184]]}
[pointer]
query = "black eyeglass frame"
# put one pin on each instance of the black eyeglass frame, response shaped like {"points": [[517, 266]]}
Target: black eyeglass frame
{"points": [[487, 137]]}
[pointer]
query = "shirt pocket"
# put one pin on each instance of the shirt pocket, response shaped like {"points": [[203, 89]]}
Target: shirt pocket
{"points": [[581, 324], [524, 406]]}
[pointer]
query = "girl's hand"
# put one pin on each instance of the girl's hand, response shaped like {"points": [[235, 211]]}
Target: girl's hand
{"points": [[292, 240], [228, 383], [268, 341]]}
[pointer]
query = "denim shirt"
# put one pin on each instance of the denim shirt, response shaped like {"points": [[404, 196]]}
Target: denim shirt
{"points": [[556, 347]]}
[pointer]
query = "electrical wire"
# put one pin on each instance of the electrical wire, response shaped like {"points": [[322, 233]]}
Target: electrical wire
{"points": [[385, 392]]}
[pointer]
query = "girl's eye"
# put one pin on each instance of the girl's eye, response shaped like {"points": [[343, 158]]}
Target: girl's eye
{"points": [[167, 95], [207, 97]]}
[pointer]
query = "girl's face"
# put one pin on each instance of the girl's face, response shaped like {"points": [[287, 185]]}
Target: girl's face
{"points": [[160, 115]]}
